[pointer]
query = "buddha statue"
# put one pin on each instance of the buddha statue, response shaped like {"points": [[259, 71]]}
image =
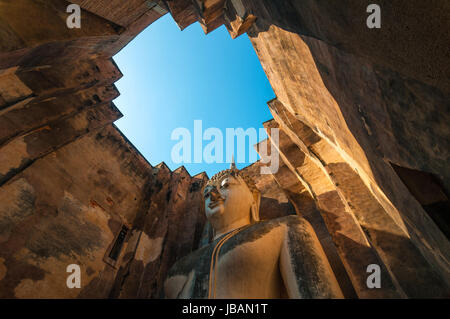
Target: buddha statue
{"points": [[244, 257]]}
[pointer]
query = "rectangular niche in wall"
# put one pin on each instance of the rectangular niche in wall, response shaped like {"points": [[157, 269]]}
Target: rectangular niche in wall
{"points": [[114, 254], [430, 193]]}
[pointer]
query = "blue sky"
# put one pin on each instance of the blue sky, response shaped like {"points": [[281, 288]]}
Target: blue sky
{"points": [[173, 77]]}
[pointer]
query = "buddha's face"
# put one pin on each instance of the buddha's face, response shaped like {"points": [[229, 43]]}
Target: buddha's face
{"points": [[229, 200]]}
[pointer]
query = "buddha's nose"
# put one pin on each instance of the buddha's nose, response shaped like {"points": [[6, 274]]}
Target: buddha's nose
{"points": [[214, 194]]}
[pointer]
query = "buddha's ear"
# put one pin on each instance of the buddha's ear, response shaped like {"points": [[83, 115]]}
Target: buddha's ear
{"points": [[255, 207], [207, 235]]}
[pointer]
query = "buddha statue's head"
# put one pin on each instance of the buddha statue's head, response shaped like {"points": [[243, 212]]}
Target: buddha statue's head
{"points": [[231, 196]]}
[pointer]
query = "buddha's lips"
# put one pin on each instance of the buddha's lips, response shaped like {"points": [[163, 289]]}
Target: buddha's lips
{"points": [[215, 203]]}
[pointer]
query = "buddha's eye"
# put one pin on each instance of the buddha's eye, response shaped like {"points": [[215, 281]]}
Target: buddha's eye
{"points": [[224, 184]]}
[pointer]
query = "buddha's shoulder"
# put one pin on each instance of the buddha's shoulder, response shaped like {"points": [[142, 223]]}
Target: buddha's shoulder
{"points": [[285, 222], [197, 259], [272, 228], [200, 258]]}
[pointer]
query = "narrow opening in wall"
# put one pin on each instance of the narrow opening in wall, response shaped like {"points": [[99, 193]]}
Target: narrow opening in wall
{"points": [[430, 193], [204, 86], [118, 244]]}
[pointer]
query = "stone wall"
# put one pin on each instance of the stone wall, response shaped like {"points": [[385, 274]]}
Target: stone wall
{"points": [[67, 209], [69, 180], [353, 105]]}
